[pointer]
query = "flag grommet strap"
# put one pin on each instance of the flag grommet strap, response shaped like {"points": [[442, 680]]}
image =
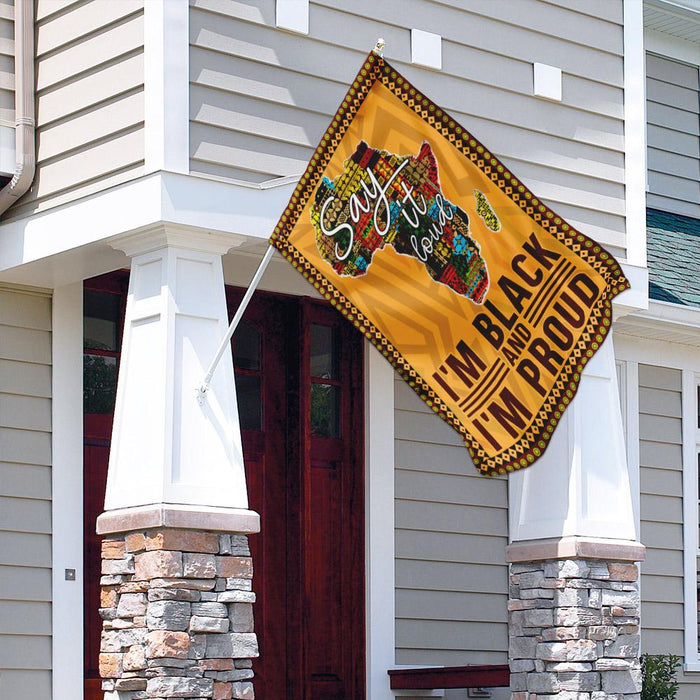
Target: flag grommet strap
{"points": [[486, 302]]}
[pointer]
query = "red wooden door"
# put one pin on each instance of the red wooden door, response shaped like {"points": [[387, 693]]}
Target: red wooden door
{"points": [[300, 400], [332, 502]]}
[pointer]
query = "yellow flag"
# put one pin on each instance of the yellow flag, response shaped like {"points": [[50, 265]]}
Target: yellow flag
{"points": [[487, 303]]}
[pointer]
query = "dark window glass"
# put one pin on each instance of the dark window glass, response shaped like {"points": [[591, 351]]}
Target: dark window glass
{"points": [[249, 401], [246, 347], [325, 410], [324, 352], [247, 360], [99, 383], [100, 320]]}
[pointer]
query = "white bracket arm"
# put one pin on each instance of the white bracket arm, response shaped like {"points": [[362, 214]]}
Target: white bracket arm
{"points": [[202, 388]]}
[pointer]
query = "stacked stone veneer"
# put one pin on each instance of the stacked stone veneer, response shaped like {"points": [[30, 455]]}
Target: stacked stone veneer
{"points": [[177, 616], [574, 630]]}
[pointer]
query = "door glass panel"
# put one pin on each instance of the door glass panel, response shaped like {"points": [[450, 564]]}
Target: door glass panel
{"points": [[249, 401], [325, 387], [324, 352], [99, 383], [100, 320], [246, 347], [247, 360], [325, 410]]}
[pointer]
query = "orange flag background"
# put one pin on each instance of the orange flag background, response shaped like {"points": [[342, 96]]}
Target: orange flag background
{"points": [[487, 303]]}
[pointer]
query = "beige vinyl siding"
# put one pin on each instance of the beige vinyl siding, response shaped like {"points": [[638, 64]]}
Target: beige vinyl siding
{"points": [[7, 63], [673, 136], [25, 494], [90, 99], [451, 533], [260, 98]]}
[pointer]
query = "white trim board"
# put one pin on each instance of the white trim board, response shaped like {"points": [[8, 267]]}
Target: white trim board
{"points": [[635, 133], [187, 200], [67, 492], [631, 399], [664, 321], [167, 86], [690, 517], [651, 351], [379, 509], [671, 47]]}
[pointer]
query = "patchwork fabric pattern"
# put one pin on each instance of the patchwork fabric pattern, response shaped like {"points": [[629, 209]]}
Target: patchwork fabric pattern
{"points": [[412, 216], [486, 212]]}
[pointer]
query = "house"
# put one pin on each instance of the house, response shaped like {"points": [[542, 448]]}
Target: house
{"points": [[169, 138]]}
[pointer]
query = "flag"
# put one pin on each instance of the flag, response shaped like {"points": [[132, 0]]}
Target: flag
{"points": [[485, 301]]}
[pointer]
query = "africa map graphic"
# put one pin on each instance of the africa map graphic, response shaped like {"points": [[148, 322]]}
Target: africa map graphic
{"points": [[386, 199]]}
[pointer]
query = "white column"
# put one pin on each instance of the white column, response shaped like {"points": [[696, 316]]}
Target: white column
{"points": [[579, 489], [167, 449]]}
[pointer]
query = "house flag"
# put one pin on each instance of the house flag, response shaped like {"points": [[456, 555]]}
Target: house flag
{"points": [[485, 301]]}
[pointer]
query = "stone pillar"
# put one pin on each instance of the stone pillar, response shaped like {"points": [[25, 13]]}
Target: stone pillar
{"points": [[177, 615], [574, 629], [574, 612], [177, 575]]}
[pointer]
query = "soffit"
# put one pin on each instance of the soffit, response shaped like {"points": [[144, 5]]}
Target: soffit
{"points": [[679, 18]]}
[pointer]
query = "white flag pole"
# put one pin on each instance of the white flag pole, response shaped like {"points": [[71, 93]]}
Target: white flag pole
{"points": [[202, 388]]}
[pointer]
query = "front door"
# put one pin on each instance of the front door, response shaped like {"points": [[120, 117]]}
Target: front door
{"points": [[299, 383]]}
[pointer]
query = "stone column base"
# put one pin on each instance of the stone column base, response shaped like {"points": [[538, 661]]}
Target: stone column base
{"points": [[574, 630], [177, 615]]}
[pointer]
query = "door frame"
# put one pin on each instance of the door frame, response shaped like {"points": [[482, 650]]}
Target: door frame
{"points": [[380, 596]]}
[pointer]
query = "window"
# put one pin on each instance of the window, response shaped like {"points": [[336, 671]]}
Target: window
{"points": [[101, 338]]}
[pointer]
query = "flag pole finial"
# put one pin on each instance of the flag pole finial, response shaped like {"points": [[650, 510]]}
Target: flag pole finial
{"points": [[379, 47]]}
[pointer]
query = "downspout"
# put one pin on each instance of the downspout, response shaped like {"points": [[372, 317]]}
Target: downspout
{"points": [[25, 149]]}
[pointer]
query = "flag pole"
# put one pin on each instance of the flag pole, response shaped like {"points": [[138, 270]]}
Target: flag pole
{"points": [[202, 388]]}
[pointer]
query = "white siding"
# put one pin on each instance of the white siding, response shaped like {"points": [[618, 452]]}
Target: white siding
{"points": [[673, 136], [25, 494], [260, 98], [451, 534], [90, 108]]}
